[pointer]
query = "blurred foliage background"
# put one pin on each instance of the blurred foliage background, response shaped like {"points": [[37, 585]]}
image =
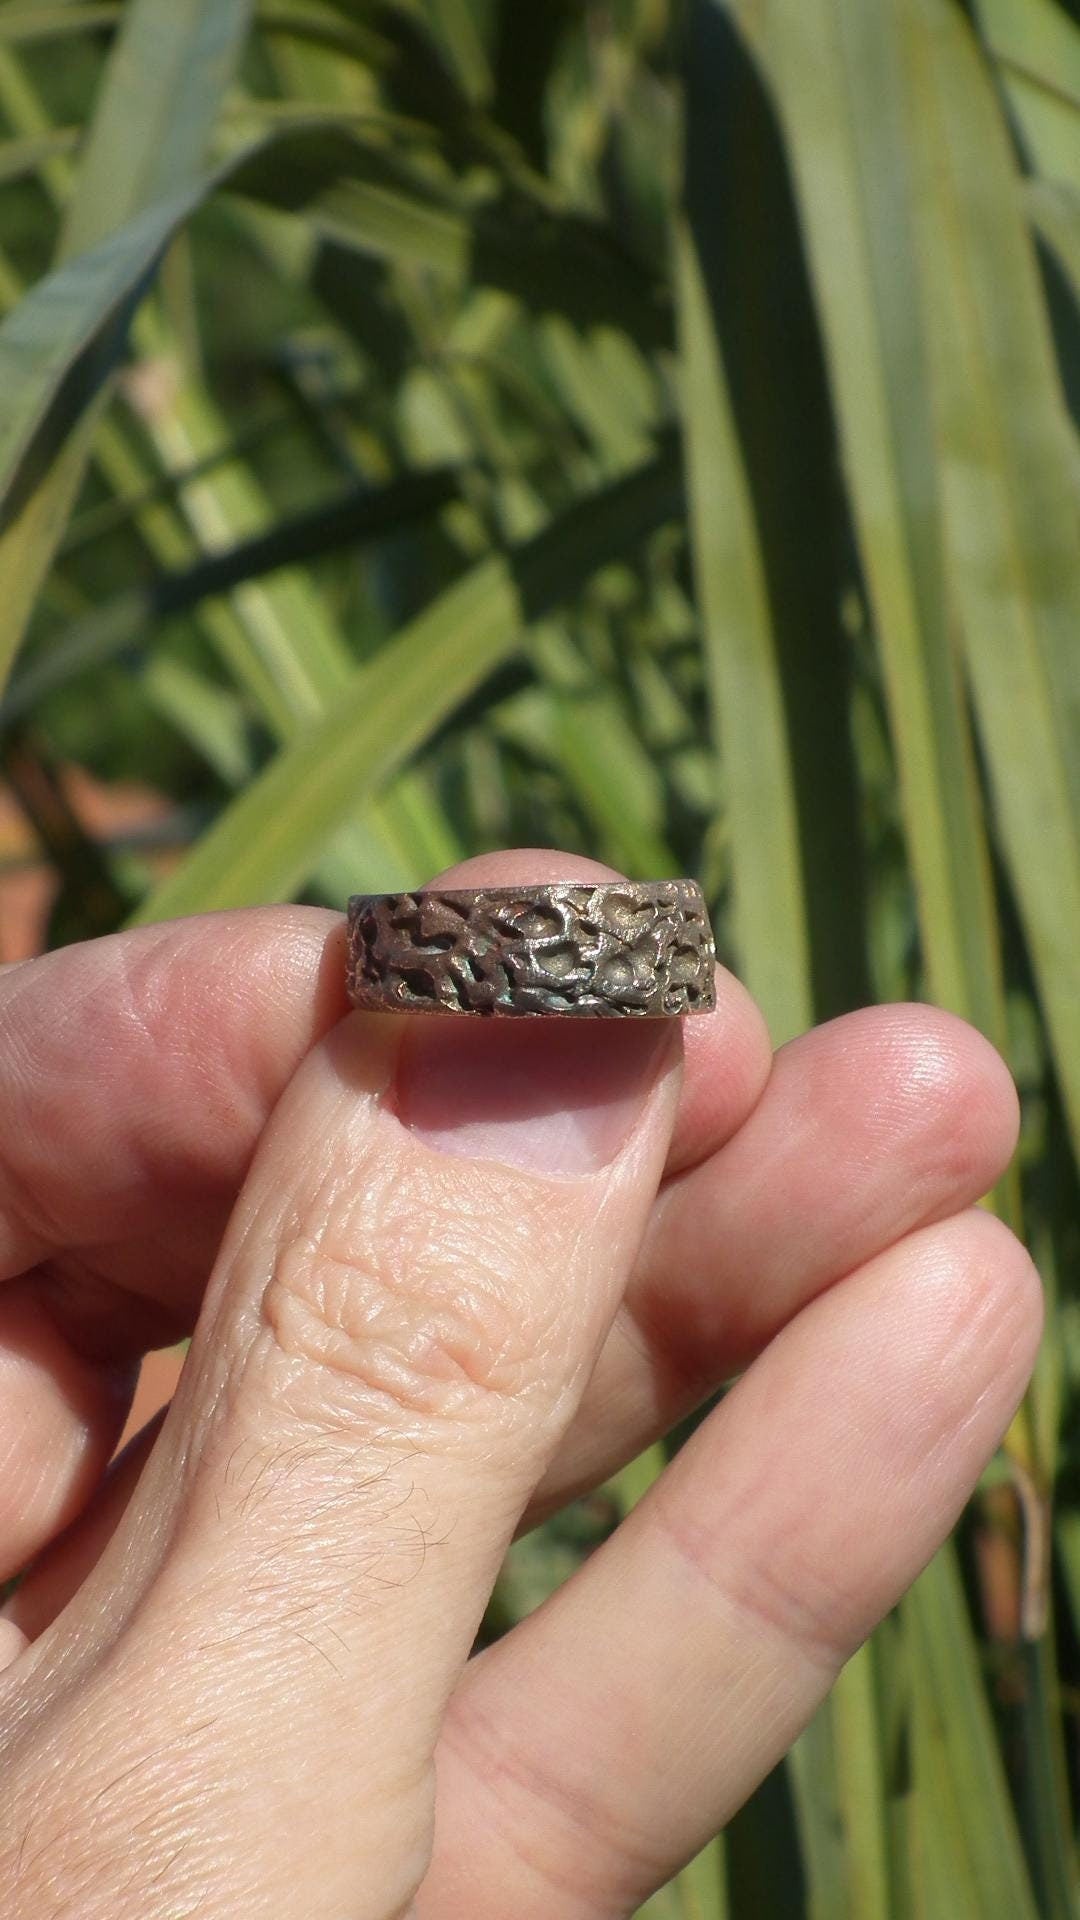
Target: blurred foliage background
{"points": [[647, 428]]}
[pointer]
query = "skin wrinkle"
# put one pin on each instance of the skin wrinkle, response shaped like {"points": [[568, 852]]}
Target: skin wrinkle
{"points": [[560, 1829], [424, 1355], [983, 1324], [370, 1282], [777, 1606]]}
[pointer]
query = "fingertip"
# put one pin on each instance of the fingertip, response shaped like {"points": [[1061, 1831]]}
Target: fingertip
{"points": [[934, 1092], [954, 1073], [942, 1333], [728, 1057], [13, 1642], [517, 866], [995, 1296]]}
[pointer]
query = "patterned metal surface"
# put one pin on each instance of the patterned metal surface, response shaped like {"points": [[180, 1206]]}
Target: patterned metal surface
{"points": [[624, 949]]}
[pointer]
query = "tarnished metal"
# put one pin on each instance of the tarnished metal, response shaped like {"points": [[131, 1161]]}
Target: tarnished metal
{"points": [[623, 949]]}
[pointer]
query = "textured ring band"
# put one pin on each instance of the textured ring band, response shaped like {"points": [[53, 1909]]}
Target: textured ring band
{"points": [[618, 950]]}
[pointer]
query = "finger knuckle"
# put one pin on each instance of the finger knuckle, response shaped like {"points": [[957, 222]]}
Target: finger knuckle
{"points": [[789, 1596], [993, 1293], [412, 1309], [574, 1840]]}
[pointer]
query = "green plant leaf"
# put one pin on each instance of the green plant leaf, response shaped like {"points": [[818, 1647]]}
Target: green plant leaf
{"points": [[772, 932], [846, 117], [210, 717], [359, 517], [960, 1826], [60, 345], [324, 26], [62, 341], [1037, 47], [455, 24], [19, 157], [859, 1751], [1055, 215], [268, 840], [20, 25], [363, 194], [766, 551], [1011, 499], [156, 112]]}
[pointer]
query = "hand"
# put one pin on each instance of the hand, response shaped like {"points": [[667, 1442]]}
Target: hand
{"points": [[457, 1273]]}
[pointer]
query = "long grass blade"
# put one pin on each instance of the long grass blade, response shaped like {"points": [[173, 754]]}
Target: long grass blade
{"points": [[1011, 498], [771, 931], [766, 538], [766, 558], [59, 345], [963, 1816], [362, 516], [63, 341], [859, 1752], [156, 112], [846, 120], [209, 716], [22, 25], [269, 840], [1037, 49]]}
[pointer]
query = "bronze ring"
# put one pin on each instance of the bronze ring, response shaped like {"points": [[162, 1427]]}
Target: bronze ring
{"points": [[623, 949]]}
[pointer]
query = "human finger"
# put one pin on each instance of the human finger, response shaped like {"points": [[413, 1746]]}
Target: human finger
{"points": [[595, 1748], [869, 1126], [406, 1305]]}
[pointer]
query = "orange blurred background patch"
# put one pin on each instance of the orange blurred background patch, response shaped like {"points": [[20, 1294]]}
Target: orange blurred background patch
{"points": [[27, 890]]}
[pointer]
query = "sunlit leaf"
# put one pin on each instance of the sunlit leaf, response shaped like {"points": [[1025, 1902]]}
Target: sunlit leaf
{"points": [[267, 842], [59, 346]]}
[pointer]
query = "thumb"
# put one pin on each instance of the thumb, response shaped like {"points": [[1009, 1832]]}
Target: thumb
{"points": [[420, 1269]]}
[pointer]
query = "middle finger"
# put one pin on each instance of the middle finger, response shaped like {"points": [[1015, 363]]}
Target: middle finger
{"points": [[877, 1123]]}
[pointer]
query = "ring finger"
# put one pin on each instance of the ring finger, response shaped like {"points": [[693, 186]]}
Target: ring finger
{"points": [[595, 1749]]}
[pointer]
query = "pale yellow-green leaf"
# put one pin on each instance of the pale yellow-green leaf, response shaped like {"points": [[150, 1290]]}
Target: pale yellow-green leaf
{"points": [[1013, 508], [770, 921]]}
